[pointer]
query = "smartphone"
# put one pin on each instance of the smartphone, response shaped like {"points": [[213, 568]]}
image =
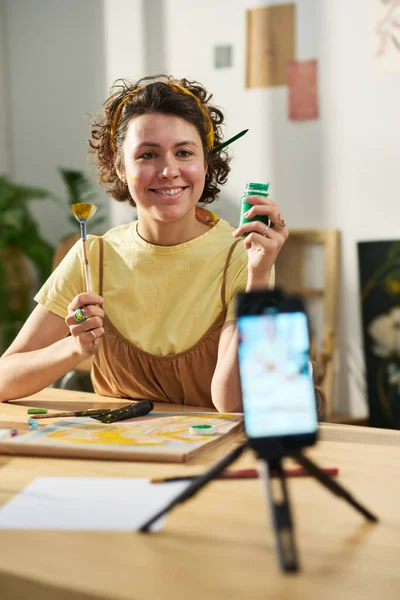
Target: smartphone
{"points": [[279, 402]]}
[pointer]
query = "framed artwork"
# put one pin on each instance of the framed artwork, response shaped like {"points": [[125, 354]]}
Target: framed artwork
{"points": [[379, 266], [271, 44], [303, 92], [385, 30], [223, 57], [309, 265]]}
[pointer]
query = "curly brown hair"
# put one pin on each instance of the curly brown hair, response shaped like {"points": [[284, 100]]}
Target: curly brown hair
{"points": [[157, 95]]}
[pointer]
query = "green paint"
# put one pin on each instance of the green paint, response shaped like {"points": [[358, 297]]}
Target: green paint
{"points": [[253, 189]]}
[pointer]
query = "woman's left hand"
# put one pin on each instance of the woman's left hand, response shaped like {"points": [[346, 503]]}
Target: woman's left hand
{"points": [[263, 243]]}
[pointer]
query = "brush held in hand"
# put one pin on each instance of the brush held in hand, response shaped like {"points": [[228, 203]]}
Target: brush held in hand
{"points": [[83, 212]]}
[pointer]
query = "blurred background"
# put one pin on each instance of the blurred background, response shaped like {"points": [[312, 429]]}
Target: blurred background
{"points": [[339, 170]]}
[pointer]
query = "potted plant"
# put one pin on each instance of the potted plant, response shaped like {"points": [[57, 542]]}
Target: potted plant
{"points": [[21, 242], [20, 239]]}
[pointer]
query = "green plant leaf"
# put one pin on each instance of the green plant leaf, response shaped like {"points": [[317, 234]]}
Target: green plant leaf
{"points": [[38, 250], [78, 186], [394, 251], [12, 194], [74, 222], [18, 229], [79, 189]]}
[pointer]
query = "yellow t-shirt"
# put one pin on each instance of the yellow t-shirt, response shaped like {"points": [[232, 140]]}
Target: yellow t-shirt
{"points": [[160, 298]]}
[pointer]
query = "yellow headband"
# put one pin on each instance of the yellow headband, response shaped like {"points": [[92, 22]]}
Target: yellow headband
{"points": [[210, 132], [206, 114]]}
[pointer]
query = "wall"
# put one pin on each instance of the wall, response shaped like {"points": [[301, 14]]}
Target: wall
{"points": [[125, 49], [4, 132], [134, 42], [284, 153], [360, 154], [125, 38], [339, 171], [55, 65]]}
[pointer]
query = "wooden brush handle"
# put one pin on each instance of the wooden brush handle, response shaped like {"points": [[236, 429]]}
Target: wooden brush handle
{"points": [[88, 275]]}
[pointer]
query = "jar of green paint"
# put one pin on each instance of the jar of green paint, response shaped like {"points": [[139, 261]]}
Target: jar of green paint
{"points": [[253, 189]]}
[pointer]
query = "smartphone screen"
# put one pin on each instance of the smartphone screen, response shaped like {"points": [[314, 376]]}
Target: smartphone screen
{"points": [[277, 387]]}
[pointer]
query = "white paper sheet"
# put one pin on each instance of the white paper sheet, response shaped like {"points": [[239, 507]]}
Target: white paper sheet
{"points": [[87, 503]]}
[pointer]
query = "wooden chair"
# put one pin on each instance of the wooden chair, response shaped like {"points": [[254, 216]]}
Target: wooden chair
{"points": [[308, 265], [63, 248]]}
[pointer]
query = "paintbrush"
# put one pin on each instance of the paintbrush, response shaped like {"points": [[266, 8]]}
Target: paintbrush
{"points": [[77, 413], [232, 139], [108, 415], [83, 212]]}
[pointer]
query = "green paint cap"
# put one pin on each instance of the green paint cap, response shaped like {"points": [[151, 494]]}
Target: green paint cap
{"points": [[202, 429], [259, 187]]}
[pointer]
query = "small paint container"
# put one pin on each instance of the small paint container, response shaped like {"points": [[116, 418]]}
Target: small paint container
{"points": [[202, 429], [37, 411], [253, 189]]}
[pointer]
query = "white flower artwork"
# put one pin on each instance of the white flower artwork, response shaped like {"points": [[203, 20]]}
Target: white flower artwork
{"points": [[385, 331], [393, 372]]}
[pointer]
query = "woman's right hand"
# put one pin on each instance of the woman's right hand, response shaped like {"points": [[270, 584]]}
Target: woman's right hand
{"points": [[87, 333]]}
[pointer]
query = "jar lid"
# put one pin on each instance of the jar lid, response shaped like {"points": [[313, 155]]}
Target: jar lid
{"points": [[262, 187]]}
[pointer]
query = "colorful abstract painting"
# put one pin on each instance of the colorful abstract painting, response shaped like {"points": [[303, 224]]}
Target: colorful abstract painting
{"points": [[156, 437]]}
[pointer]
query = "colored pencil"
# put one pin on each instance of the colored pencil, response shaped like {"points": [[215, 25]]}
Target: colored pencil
{"points": [[247, 474]]}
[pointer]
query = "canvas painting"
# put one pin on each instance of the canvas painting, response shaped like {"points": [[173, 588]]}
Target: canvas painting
{"points": [[379, 264]]}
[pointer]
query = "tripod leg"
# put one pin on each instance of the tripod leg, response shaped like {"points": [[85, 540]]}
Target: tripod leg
{"points": [[281, 516], [197, 484], [333, 485]]}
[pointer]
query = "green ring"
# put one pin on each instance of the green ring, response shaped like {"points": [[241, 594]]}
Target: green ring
{"points": [[79, 316]]}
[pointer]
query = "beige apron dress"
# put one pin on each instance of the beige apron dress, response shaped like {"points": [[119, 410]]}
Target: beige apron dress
{"points": [[122, 369]]}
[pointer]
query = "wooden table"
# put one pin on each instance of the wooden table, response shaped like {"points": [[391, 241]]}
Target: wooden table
{"points": [[219, 545]]}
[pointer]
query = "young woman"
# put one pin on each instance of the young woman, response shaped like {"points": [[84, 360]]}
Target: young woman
{"points": [[161, 324]]}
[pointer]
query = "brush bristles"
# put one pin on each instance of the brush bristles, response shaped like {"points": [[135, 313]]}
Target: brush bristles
{"points": [[83, 211]]}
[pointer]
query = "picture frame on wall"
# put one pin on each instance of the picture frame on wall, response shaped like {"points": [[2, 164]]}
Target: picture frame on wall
{"points": [[379, 270], [271, 44]]}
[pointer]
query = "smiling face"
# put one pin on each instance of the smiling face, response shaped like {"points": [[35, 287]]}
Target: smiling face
{"points": [[163, 166]]}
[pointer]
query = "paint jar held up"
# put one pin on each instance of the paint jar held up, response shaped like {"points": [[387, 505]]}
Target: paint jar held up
{"points": [[253, 189]]}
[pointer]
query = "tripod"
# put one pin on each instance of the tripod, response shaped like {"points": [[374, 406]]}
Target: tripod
{"points": [[278, 499]]}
